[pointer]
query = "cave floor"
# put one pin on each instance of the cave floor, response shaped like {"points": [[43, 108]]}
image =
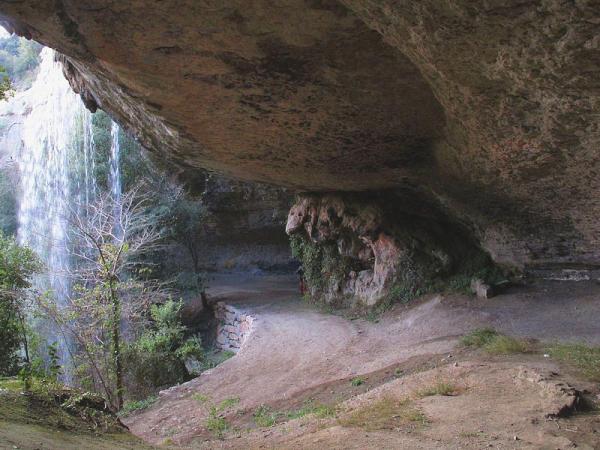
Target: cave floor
{"points": [[297, 357]]}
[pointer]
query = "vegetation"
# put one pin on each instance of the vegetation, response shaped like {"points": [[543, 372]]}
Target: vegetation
{"points": [[215, 423], [322, 264], [137, 405], [385, 414], [585, 359], [417, 273], [8, 204], [358, 381], [318, 410], [438, 388], [17, 265], [201, 398], [157, 357], [19, 57], [265, 417], [495, 343]]}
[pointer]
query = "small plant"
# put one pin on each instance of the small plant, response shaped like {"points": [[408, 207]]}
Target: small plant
{"points": [[439, 388], [585, 359], [506, 345], [385, 414], [318, 410], [398, 372], [495, 343], [265, 417], [137, 405], [479, 337], [54, 368], [200, 398], [358, 381], [215, 423], [228, 403]]}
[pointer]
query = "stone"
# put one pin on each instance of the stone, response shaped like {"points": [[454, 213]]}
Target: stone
{"points": [[481, 289]]}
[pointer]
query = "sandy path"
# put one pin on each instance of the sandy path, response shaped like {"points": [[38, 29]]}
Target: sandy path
{"points": [[294, 347]]}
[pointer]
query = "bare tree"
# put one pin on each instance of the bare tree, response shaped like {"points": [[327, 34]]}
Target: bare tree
{"points": [[109, 240]]}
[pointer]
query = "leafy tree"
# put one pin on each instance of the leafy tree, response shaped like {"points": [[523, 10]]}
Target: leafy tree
{"points": [[17, 265]]}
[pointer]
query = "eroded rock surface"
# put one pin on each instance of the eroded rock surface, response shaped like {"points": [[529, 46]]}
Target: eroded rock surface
{"points": [[366, 247], [492, 107]]}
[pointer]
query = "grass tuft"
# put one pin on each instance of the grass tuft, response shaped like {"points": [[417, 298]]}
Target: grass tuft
{"points": [[216, 424], [585, 359], [137, 405], [265, 417], [506, 345], [228, 403], [201, 398], [495, 343], [385, 414], [439, 388], [479, 337], [320, 411]]}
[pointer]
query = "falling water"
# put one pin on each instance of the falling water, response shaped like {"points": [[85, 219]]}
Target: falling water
{"points": [[114, 179], [55, 159]]}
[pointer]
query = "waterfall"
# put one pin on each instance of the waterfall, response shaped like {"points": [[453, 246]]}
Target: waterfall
{"points": [[55, 158], [114, 179]]}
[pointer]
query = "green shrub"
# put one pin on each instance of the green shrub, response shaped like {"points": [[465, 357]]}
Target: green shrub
{"points": [[157, 358], [358, 381]]}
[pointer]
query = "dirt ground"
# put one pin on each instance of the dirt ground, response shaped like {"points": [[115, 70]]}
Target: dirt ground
{"points": [[297, 355]]}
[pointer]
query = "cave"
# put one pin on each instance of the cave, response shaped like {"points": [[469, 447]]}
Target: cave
{"points": [[376, 153]]}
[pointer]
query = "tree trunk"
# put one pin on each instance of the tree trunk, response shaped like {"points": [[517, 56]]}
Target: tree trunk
{"points": [[116, 341]]}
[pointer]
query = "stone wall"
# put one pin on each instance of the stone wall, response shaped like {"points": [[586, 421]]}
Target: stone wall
{"points": [[233, 328]]}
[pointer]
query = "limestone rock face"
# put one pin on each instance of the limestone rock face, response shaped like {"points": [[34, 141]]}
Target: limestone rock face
{"points": [[490, 107], [361, 246]]}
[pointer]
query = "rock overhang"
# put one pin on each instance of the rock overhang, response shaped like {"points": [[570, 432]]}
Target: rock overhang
{"points": [[489, 108]]}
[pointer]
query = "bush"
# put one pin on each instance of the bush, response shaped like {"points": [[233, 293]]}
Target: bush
{"points": [[17, 265], [157, 358]]}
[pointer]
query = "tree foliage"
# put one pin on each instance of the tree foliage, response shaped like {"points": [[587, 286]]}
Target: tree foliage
{"points": [[17, 265]]}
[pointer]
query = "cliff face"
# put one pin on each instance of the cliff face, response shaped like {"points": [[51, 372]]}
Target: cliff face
{"points": [[488, 108]]}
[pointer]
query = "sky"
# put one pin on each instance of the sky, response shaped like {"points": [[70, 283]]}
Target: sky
{"points": [[3, 33]]}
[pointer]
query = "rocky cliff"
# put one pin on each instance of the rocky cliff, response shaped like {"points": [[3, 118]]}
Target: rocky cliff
{"points": [[487, 109]]}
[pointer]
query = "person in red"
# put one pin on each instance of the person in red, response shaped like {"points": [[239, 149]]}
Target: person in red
{"points": [[302, 281]]}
